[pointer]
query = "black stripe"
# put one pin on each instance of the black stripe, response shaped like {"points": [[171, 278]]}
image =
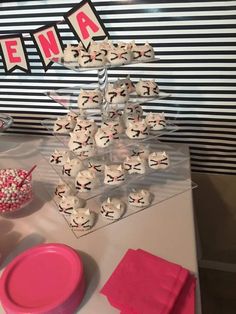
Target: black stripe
{"points": [[97, 4], [214, 155], [226, 151], [123, 20], [214, 171]]}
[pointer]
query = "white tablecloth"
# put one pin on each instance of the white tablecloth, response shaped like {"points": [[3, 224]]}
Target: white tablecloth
{"points": [[165, 229]]}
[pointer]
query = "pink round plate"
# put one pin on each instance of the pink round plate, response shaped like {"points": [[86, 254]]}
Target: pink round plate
{"points": [[46, 279]]}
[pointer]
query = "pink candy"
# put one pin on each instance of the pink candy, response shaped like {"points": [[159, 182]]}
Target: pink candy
{"points": [[13, 197]]}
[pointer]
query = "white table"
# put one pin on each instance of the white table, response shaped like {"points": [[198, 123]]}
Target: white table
{"points": [[165, 229]]}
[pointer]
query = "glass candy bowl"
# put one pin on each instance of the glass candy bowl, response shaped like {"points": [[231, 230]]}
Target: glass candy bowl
{"points": [[5, 122], [14, 194]]}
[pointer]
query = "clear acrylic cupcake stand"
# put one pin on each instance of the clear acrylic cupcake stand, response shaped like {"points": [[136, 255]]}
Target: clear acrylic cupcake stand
{"points": [[162, 184]]}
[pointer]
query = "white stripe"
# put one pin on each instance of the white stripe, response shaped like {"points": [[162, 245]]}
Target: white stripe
{"points": [[182, 95], [197, 88], [213, 109], [160, 5], [112, 17], [149, 32], [165, 32], [230, 137], [173, 57], [192, 102], [29, 126], [163, 40], [199, 115], [31, 121], [23, 90], [202, 128], [210, 122], [24, 97], [162, 101], [202, 140], [199, 95], [112, 24], [27, 131], [37, 84], [125, 8], [147, 72], [47, 82], [173, 32], [35, 115], [33, 105], [170, 65], [182, 32], [170, 73], [26, 109], [189, 65]]}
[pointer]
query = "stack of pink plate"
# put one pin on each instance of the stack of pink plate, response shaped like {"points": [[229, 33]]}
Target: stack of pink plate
{"points": [[46, 279]]}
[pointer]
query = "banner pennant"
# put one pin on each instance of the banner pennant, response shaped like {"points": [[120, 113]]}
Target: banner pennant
{"points": [[48, 43], [86, 23], [14, 55]]}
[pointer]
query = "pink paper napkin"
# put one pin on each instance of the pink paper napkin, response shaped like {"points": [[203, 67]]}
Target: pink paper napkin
{"points": [[143, 283], [185, 303]]}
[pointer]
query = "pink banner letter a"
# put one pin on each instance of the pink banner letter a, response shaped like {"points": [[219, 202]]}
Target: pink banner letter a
{"points": [[84, 22]]}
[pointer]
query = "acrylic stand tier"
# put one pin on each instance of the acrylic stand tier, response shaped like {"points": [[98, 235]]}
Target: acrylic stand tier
{"points": [[162, 184]]}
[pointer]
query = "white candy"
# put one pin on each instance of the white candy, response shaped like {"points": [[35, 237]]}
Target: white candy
{"points": [[115, 125], [85, 126], [61, 190], [82, 219], [112, 209], [132, 109], [86, 181], [70, 53], [72, 116], [116, 95], [127, 82], [105, 136], [96, 165], [119, 56], [69, 203], [72, 166], [147, 88], [137, 130], [91, 59], [114, 174], [63, 125], [131, 118], [81, 142], [89, 99], [59, 157], [135, 164], [142, 52], [156, 121], [158, 160], [141, 151], [139, 198]]}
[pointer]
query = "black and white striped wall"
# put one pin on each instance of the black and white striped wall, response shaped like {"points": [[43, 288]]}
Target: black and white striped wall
{"points": [[195, 41]]}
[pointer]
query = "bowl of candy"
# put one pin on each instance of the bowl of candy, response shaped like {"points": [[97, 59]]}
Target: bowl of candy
{"points": [[5, 122], [16, 189]]}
